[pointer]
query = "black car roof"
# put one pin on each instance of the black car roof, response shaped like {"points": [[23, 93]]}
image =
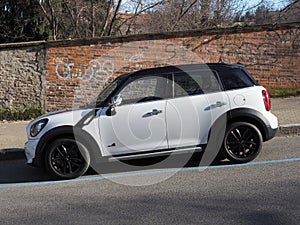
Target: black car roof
{"points": [[185, 67]]}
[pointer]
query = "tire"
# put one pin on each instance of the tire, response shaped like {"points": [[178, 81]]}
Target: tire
{"points": [[242, 142], [66, 158], [220, 157]]}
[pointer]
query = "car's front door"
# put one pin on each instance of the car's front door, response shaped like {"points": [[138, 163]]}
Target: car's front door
{"points": [[138, 123]]}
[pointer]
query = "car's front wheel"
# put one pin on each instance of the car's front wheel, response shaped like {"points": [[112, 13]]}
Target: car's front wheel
{"points": [[67, 158], [242, 142]]}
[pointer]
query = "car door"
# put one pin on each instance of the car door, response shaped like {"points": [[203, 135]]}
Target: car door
{"points": [[138, 123], [197, 102]]}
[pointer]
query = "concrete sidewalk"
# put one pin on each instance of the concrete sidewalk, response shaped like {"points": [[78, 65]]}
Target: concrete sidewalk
{"points": [[288, 112], [13, 134], [12, 139]]}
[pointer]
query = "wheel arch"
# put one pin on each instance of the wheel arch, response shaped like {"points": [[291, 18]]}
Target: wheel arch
{"points": [[66, 132], [251, 116]]}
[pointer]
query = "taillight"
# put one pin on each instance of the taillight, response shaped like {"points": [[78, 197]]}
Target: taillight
{"points": [[267, 99]]}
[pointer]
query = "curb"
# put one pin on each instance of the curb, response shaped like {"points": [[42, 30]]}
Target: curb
{"points": [[12, 154], [17, 154], [288, 130]]}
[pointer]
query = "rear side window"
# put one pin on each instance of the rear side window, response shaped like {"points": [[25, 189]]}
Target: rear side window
{"points": [[195, 83], [235, 79]]}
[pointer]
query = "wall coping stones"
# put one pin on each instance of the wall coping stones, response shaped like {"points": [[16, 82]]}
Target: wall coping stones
{"points": [[154, 36]]}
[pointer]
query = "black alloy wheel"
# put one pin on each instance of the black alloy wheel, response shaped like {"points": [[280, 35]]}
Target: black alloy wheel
{"points": [[242, 142], [67, 158]]}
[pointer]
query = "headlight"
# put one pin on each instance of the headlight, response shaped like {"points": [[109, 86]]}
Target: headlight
{"points": [[37, 127]]}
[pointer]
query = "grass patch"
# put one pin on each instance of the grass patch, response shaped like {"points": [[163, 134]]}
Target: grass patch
{"points": [[20, 114], [283, 92]]}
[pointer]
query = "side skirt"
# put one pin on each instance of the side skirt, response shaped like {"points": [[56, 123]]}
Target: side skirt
{"points": [[163, 152]]}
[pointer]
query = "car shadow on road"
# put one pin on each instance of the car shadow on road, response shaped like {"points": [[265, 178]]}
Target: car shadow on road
{"points": [[11, 154], [155, 163], [17, 171]]}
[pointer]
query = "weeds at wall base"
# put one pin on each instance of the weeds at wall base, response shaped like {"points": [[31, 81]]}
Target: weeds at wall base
{"points": [[20, 114], [283, 92]]}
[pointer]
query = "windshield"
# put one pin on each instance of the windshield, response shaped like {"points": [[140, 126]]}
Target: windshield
{"points": [[105, 92]]}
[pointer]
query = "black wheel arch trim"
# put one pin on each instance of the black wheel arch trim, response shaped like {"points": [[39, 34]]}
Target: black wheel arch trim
{"points": [[65, 131], [254, 117]]}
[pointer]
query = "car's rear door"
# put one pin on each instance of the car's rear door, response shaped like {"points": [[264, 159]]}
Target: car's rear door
{"points": [[197, 102]]}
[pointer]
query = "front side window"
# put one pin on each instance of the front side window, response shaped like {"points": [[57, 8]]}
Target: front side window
{"points": [[145, 89], [105, 92]]}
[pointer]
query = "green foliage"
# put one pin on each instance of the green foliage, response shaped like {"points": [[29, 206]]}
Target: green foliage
{"points": [[20, 21], [20, 114], [32, 20], [284, 92]]}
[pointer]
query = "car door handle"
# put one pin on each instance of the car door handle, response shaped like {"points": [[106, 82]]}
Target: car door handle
{"points": [[152, 113], [156, 111], [220, 104]]}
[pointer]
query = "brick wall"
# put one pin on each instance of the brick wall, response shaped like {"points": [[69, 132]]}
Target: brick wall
{"points": [[270, 54], [76, 70]]}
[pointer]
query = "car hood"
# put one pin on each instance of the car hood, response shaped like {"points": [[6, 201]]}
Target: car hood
{"points": [[59, 111], [68, 116]]}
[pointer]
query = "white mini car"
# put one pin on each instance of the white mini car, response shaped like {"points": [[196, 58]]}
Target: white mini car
{"points": [[157, 111]]}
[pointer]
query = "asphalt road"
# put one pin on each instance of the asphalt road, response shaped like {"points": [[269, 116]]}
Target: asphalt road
{"points": [[265, 191]]}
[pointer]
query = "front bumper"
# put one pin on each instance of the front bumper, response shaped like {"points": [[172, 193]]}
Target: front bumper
{"points": [[30, 150]]}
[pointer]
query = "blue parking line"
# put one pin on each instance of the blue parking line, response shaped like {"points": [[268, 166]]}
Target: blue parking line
{"points": [[160, 171]]}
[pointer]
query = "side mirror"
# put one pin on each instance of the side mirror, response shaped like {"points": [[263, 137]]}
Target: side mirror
{"points": [[115, 101]]}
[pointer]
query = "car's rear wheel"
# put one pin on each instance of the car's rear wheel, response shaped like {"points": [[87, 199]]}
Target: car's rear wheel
{"points": [[242, 142], [66, 158]]}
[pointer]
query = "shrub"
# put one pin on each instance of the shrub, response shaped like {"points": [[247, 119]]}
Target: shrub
{"points": [[283, 92], [20, 114]]}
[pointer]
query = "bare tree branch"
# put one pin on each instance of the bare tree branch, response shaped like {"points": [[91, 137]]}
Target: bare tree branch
{"points": [[106, 18], [114, 17], [137, 13], [289, 6], [182, 14]]}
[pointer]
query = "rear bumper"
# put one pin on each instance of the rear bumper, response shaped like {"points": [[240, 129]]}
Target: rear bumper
{"points": [[270, 133], [272, 126]]}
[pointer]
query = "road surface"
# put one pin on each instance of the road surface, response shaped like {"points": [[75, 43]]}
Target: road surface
{"points": [[265, 191]]}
